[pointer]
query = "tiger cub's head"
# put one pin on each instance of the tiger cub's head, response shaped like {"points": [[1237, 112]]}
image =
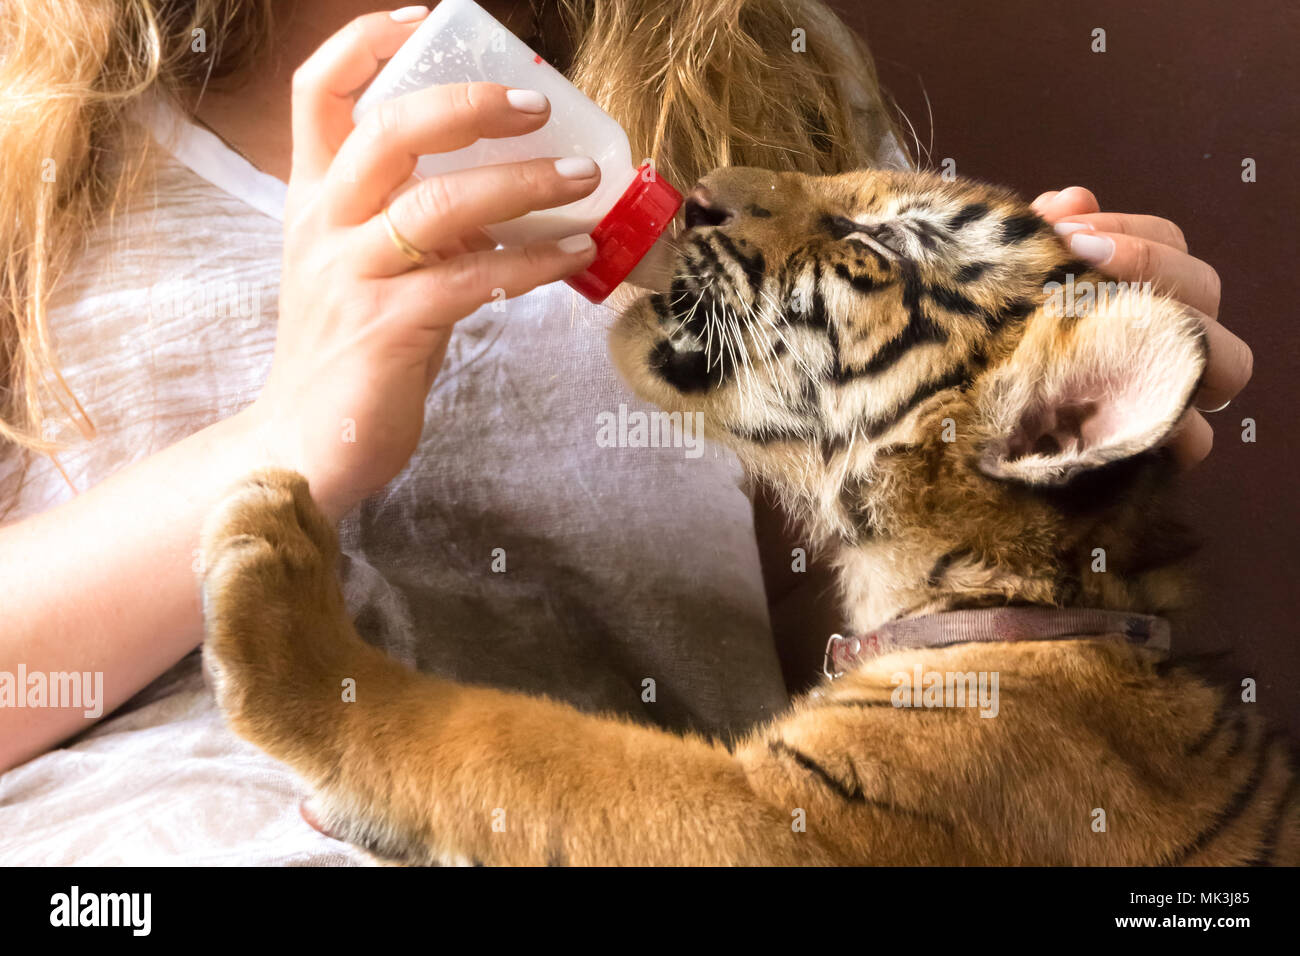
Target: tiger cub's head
{"points": [[940, 394]]}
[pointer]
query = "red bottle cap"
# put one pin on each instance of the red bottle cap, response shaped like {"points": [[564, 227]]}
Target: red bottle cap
{"points": [[626, 234]]}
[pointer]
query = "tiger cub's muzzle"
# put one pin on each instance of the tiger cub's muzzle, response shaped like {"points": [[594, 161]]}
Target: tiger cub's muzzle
{"points": [[716, 286]]}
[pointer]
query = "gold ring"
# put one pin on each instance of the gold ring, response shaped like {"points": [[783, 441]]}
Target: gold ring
{"points": [[403, 244], [1211, 411]]}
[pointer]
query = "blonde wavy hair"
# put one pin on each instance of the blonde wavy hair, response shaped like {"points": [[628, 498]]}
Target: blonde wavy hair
{"points": [[696, 83]]}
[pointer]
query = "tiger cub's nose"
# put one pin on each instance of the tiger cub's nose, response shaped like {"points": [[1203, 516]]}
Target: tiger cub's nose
{"points": [[701, 209]]}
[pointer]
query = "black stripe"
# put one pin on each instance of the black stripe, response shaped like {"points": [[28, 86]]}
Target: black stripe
{"points": [[818, 317], [841, 227], [1021, 226], [857, 702], [842, 790], [659, 305], [838, 372], [854, 494], [941, 566], [875, 253], [838, 227], [959, 377], [1013, 312], [1239, 729], [829, 446], [972, 271], [861, 703], [1232, 811], [1210, 732], [1222, 724], [851, 794], [677, 293], [968, 214], [954, 301], [680, 311], [714, 263], [754, 267], [861, 283], [813, 313], [897, 449], [810, 397], [920, 330], [1273, 832], [767, 435], [1072, 267], [925, 233], [993, 319], [930, 229], [791, 272]]}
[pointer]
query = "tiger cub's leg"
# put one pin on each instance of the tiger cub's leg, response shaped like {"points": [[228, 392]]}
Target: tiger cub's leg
{"points": [[419, 769], [285, 663]]}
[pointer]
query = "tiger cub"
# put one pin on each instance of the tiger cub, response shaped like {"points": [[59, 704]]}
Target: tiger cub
{"points": [[896, 356]]}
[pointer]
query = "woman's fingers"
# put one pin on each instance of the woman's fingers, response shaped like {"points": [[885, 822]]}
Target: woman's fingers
{"points": [[1135, 259], [1226, 373], [1153, 228], [323, 88], [1228, 369], [1192, 440], [441, 210], [1071, 201], [1041, 199], [442, 293], [380, 154]]}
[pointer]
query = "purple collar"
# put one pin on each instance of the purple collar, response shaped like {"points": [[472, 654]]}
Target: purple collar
{"points": [[981, 625]]}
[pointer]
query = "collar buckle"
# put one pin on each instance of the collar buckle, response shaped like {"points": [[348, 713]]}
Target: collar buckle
{"points": [[828, 659]]}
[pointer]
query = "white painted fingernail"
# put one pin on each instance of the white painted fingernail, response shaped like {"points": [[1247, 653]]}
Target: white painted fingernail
{"points": [[410, 14], [576, 167], [1065, 228], [527, 101], [1092, 248], [573, 244]]}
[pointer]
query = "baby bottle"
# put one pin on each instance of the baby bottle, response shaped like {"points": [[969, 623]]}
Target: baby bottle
{"points": [[459, 42]]}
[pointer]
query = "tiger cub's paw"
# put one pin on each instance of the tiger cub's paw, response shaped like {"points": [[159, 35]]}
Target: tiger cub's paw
{"points": [[273, 612]]}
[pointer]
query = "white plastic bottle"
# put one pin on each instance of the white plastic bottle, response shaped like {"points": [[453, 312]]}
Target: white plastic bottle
{"points": [[460, 42]]}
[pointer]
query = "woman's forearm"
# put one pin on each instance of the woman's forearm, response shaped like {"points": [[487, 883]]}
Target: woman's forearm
{"points": [[106, 583]]}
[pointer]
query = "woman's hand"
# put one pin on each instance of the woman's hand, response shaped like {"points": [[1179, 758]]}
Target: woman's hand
{"points": [[363, 329], [1136, 248]]}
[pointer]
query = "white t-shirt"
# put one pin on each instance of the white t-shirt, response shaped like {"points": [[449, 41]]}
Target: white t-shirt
{"points": [[622, 564]]}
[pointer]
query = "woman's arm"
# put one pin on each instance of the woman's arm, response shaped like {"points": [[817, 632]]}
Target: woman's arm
{"points": [[106, 582]]}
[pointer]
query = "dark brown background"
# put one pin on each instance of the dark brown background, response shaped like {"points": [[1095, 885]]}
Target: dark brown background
{"points": [[1158, 124]]}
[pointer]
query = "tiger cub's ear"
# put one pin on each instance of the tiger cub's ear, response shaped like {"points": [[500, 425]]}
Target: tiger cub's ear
{"points": [[1081, 392]]}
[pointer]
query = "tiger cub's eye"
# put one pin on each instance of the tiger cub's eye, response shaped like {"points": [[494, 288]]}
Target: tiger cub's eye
{"points": [[888, 236]]}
